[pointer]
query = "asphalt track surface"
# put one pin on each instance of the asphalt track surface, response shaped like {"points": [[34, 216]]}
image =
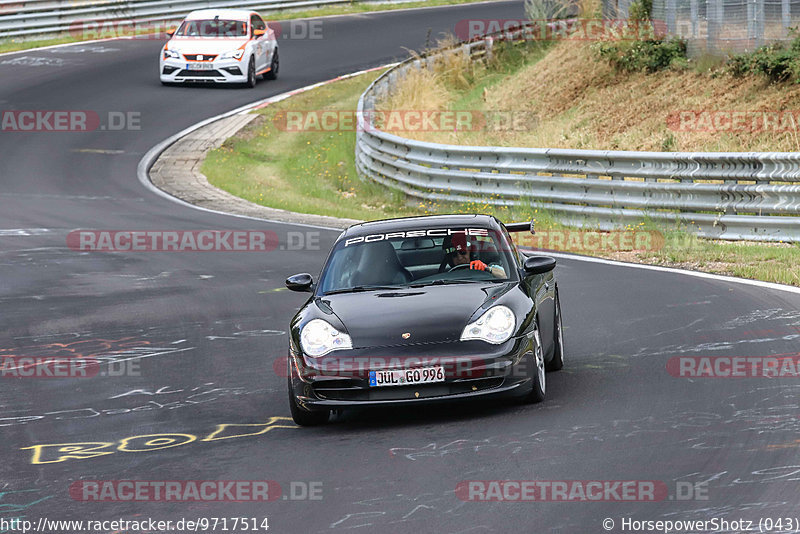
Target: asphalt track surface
{"points": [[205, 330]]}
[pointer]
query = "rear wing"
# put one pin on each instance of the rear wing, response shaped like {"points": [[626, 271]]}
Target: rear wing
{"points": [[520, 227]]}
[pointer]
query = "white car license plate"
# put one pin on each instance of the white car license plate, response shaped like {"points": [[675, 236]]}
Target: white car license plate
{"points": [[199, 66], [405, 377]]}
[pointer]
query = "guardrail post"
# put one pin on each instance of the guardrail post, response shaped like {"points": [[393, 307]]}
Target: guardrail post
{"points": [[489, 47]]}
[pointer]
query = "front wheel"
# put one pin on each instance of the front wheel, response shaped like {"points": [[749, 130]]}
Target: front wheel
{"points": [[558, 353], [539, 377], [304, 417], [251, 73], [274, 66]]}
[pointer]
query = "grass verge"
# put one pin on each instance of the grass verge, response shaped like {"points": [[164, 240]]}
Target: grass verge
{"points": [[304, 171], [313, 171]]}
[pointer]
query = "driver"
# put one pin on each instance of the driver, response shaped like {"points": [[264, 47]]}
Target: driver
{"points": [[459, 251]]}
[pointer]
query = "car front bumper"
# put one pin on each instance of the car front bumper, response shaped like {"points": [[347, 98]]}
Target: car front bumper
{"points": [[224, 71], [472, 369]]}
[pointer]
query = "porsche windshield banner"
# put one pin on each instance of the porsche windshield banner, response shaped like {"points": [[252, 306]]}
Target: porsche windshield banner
{"points": [[435, 232]]}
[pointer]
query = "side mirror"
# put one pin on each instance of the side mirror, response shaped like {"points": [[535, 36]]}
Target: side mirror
{"points": [[539, 264], [300, 282], [259, 33], [521, 227], [171, 32]]}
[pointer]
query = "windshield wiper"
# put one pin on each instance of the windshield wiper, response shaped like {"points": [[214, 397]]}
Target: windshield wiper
{"points": [[358, 289], [441, 282]]}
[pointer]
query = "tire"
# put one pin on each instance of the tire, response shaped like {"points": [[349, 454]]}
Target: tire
{"points": [[251, 73], [274, 66], [303, 417], [539, 376], [557, 362]]}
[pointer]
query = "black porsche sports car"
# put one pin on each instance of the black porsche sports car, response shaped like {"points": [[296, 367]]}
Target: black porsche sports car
{"points": [[423, 309]]}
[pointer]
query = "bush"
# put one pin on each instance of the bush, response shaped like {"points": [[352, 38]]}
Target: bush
{"points": [[778, 62], [647, 55]]}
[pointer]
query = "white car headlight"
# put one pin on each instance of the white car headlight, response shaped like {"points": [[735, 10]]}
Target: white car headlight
{"points": [[318, 338], [495, 326], [171, 54], [235, 54]]}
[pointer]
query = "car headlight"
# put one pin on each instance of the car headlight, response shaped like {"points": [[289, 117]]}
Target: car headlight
{"points": [[171, 54], [235, 54], [495, 326], [318, 338]]}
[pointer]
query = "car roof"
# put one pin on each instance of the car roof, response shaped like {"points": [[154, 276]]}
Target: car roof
{"points": [[421, 222], [225, 14]]}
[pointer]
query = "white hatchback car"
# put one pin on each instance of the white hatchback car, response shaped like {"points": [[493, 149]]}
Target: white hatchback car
{"points": [[220, 46]]}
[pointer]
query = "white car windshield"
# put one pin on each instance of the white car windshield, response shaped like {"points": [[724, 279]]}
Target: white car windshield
{"points": [[212, 28]]}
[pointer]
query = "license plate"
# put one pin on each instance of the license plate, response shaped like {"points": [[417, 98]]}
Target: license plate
{"points": [[199, 66], [405, 377]]}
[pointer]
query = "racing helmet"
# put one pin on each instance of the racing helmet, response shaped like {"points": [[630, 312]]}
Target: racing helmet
{"points": [[456, 244]]}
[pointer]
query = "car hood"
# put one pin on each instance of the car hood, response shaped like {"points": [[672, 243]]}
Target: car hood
{"points": [[431, 314], [193, 45]]}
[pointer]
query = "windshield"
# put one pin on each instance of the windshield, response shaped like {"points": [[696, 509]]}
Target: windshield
{"points": [[416, 258], [212, 28]]}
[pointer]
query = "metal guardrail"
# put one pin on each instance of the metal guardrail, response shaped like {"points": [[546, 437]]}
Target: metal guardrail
{"points": [[46, 17], [753, 196]]}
